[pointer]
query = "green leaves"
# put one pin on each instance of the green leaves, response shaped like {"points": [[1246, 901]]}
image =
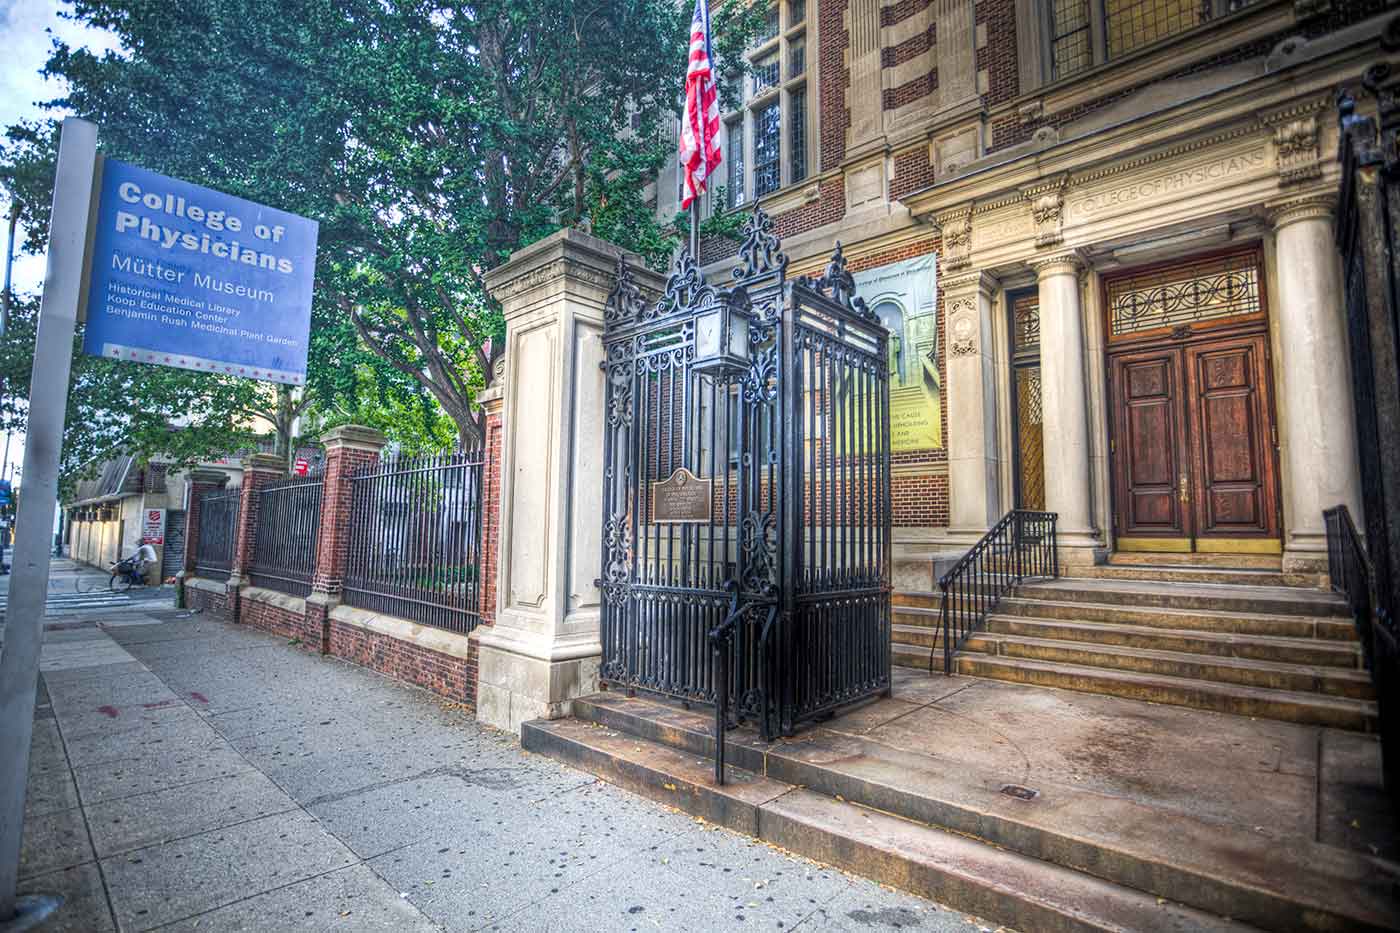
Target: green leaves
{"points": [[429, 139]]}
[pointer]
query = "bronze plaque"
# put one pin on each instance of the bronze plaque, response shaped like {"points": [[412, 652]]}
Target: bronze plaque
{"points": [[681, 497]]}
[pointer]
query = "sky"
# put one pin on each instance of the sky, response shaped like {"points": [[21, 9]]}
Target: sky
{"points": [[27, 30]]}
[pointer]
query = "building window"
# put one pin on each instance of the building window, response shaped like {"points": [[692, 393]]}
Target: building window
{"points": [[1071, 46], [734, 145], [1180, 295], [765, 74], [1082, 33], [1133, 24], [797, 135], [767, 149], [768, 136]]}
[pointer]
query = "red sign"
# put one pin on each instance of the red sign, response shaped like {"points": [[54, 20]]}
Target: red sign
{"points": [[153, 528], [301, 467]]}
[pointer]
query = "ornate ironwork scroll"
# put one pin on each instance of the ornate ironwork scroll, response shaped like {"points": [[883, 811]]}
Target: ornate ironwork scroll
{"points": [[773, 603]]}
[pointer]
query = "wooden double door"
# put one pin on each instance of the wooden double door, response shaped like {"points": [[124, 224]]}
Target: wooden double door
{"points": [[1193, 449]]}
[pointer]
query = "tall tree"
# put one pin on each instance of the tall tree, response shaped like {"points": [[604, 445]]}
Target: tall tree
{"points": [[429, 139], [117, 408]]}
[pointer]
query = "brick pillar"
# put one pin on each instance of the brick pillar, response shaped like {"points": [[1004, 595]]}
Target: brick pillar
{"points": [[348, 448], [257, 470], [492, 401], [200, 482]]}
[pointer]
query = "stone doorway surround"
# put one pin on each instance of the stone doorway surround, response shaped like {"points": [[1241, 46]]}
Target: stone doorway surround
{"points": [[1253, 163]]}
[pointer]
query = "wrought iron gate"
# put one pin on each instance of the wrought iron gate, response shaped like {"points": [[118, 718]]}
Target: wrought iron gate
{"points": [[746, 526], [1368, 236]]}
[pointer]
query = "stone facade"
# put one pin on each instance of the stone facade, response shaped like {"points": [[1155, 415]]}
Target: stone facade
{"points": [[945, 127]]}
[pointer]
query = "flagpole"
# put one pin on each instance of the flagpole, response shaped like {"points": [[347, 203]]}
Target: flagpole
{"points": [[695, 229]]}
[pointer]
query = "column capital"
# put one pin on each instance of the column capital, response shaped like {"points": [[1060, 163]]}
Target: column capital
{"points": [[353, 437], [1313, 207], [975, 281], [1065, 262], [208, 477]]}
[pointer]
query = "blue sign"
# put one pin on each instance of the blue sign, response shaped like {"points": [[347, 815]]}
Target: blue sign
{"points": [[193, 278]]}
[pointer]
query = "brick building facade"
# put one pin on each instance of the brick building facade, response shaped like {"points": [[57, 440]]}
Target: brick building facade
{"points": [[1062, 161]]}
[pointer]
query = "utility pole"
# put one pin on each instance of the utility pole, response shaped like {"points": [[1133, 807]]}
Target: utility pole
{"points": [[9, 265], [48, 392]]}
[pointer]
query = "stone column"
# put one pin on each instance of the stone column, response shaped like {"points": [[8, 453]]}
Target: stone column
{"points": [[1065, 401], [199, 482], [974, 504], [257, 470], [1317, 430], [544, 650], [348, 448]]}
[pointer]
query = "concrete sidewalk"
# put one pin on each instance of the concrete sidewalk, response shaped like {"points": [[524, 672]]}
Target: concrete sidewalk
{"points": [[189, 774]]}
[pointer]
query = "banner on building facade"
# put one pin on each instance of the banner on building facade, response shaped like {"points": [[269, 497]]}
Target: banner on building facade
{"points": [[193, 278], [904, 296]]}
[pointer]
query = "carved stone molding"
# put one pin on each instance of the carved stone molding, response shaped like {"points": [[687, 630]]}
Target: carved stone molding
{"points": [[956, 227], [1047, 201], [964, 284], [962, 325], [1069, 262], [1317, 207], [1297, 144]]}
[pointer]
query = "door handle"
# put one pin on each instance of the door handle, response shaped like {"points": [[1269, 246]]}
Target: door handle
{"points": [[1182, 490]]}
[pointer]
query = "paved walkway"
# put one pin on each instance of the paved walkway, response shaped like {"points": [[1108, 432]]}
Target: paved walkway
{"points": [[190, 774]]}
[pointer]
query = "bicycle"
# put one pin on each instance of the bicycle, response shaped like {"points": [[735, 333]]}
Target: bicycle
{"points": [[125, 575]]}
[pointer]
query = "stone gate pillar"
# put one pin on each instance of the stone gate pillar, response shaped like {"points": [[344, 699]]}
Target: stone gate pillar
{"points": [[544, 650], [258, 470]]}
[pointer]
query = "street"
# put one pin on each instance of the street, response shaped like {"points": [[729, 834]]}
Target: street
{"points": [[77, 589], [191, 774]]}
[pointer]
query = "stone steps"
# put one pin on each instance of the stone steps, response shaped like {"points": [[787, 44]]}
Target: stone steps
{"points": [[1167, 573], [1289, 706], [1213, 598], [1272, 675], [977, 878], [1302, 650], [1163, 635], [1277, 625], [1196, 559], [945, 830]]}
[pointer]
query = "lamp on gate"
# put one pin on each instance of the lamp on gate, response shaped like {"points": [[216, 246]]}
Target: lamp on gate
{"points": [[722, 336]]}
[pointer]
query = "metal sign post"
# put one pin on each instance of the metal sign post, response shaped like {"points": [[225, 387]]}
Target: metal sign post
{"points": [[48, 398]]}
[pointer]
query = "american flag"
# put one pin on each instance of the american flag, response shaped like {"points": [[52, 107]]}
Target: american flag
{"points": [[700, 154]]}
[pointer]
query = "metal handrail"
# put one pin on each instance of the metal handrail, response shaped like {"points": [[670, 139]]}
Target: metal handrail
{"points": [[1021, 545], [1350, 574]]}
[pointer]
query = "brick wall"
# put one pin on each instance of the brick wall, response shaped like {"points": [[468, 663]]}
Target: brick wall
{"points": [[205, 601], [833, 77], [490, 518], [998, 56], [447, 676], [274, 619], [912, 172]]}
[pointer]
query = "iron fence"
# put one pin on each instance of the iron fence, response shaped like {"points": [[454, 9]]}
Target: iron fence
{"points": [[1019, 546], [1352, 575], [1368, 238], [289, 525], [415, 539], [218, 527]]}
